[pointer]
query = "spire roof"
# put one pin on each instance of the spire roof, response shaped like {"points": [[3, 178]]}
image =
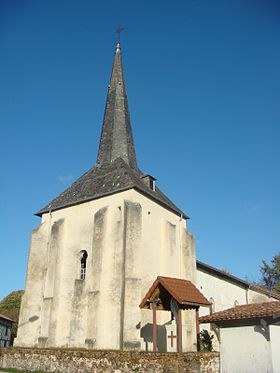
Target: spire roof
{"points": [[116, 168], [116, 138]]}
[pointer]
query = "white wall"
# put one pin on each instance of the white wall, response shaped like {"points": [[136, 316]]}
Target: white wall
{"points": [[130, 240], [226, 294], [257, 297], [223, 292], [245, 350], [275, 347]]}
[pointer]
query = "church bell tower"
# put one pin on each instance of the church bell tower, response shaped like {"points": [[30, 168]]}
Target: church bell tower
{"points": [[100, 245]]}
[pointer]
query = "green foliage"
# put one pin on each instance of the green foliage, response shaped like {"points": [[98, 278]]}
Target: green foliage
{"points": [[205, 341], [271, 273], [10, 306]]}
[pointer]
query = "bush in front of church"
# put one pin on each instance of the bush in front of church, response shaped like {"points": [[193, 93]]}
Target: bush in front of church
{"points": [[205, 341]]}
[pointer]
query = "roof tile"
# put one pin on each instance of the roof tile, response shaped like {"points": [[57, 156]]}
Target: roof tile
{"points": [[183, 291], [246, 311]]}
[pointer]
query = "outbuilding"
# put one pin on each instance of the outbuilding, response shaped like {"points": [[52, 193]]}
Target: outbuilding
{"points": [[5, 331], [249, 337]]}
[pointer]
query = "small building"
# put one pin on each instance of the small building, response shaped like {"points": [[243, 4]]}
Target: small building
{"points": [[249, 337], [224, 290], [177, 296], [5, 331]]}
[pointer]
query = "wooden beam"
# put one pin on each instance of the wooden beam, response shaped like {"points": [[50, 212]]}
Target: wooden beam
{"points": [[154, 326], [179, 326]]}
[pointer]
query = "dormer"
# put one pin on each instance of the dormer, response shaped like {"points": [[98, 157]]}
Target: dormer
{"points": [[150, 181]]}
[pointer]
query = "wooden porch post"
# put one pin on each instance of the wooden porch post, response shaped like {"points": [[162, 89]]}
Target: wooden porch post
{"points": [[179, 329], [154, 326], [197, 328]]}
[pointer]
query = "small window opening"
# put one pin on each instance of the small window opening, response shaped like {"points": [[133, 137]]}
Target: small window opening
{"points": [[212, 307], [83, 266], [150, 181]]}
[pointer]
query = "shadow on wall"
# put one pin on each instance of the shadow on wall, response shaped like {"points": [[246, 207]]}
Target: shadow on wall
{"points": [[263, 329], [147, 335], [31, 319]]}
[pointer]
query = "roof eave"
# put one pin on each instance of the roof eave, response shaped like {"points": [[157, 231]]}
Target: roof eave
{"points": [[240, 319], [142, 191], [221, 273], [208, 304]]}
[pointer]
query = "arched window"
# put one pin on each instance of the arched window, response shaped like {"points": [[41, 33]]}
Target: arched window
{"points": [[83, 264]]}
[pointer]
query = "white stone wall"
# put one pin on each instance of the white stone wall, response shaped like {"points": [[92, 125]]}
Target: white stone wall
{"points": [[248, 349], [257, 297], [225, 294], [275, 347], [130, 240]]}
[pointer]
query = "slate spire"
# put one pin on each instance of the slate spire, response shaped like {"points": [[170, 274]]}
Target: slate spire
{"points": [[116, 168], [116, 137]]}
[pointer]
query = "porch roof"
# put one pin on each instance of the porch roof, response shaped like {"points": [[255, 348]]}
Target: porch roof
{"points": [[183, 291]]}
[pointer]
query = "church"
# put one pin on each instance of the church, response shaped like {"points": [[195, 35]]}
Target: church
{"points": [[113, 264]]}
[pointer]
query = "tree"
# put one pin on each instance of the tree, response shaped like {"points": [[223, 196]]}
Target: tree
{"points": [[271, 273], [10, 306]]}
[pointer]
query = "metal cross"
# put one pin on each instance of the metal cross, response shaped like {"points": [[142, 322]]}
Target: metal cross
{"points": [[118, 31], [172, 336]]}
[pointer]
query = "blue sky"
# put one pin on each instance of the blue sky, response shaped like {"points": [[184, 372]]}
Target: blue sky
{"points": [[203, 82]]}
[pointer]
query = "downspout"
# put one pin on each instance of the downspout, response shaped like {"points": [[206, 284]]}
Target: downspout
{"points": [[180, 244]]}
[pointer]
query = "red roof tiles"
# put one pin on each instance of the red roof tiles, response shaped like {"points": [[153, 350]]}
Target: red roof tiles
{"points": [[246, 311], [183, 291]]}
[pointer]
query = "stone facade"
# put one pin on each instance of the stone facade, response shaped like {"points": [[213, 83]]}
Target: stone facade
{"points": [[73, 361], [129, 240]]}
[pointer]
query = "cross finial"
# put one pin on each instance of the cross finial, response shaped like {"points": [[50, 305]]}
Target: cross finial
{"points": [[118, 31]]}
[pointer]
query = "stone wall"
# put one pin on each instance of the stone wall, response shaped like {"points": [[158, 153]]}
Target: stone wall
{"points": [[85, 361]]}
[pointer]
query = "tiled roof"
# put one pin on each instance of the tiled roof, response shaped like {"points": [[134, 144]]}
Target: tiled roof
{"points": [[5, 317], [246, 311], [102, 181], [183, 291], [116, 168]]}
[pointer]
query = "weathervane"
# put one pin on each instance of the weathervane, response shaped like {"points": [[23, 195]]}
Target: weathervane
{"points": [[118, 31]]}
